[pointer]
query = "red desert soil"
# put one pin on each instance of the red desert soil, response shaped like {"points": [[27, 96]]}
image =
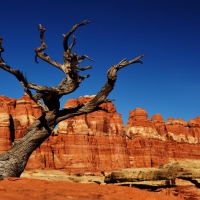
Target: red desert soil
{"points": [[29, 189]]}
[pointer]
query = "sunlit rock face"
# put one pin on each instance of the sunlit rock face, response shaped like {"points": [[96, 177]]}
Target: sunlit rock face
{"points": [[194, 128], [91, 142], [105, 122], [139, 125], [194, 122], [15, 117], [141, 132], [99, 141], [5, 121], [26, 112], [154, 142]]}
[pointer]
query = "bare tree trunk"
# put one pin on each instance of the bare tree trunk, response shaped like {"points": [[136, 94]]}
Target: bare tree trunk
{"points": [[13, 162]]}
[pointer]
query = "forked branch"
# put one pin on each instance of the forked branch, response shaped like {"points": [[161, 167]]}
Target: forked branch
{"points": [[70, 69], [1, 48], [66, 36], [14, 160], [43, 46], [21, 78], [72, 44], [101, 97], [70, 66], [69, 84]]}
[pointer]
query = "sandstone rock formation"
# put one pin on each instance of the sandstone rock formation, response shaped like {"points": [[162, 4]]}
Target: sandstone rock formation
{"points": [[15, 117], [99, 141], [6, 134], [92, 142], [153, 142]]}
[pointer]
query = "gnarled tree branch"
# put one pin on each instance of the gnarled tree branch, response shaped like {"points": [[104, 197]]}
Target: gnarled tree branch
{"points": [[13, 162], [43, 46], [101, 97], [21, 78], [70, 66], [70, 69], [66, 36]]}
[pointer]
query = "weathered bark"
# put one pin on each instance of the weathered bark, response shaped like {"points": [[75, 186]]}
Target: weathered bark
{"points": [[13, 162]]}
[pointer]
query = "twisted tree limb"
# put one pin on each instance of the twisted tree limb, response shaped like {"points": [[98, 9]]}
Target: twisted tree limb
{"points": [[39, 50], [101, 97], [13, 162], [66, 36]]}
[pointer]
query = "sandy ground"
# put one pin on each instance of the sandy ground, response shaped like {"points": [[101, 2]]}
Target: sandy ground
{"points": [[57, 185]]}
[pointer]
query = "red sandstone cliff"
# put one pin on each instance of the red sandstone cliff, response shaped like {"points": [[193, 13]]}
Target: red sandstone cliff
{"points": [[15, 117], [92, 142], [98, 141], [153, 142]]}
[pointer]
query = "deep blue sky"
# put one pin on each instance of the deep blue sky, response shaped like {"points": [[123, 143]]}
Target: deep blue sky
{"points": [[167, 31]]}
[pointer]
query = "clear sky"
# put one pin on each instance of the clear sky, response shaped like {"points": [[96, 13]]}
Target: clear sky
{"points": [[167, 31]]}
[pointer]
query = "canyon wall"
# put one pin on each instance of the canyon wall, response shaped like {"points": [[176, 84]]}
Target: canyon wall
{"points": [[153, 142], [99, 141], [15, 117]]}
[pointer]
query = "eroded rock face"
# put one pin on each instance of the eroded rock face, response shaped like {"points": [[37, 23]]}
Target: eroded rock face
{"points": [[194, 122], [106, 122], [154, 142], [5, 132], [15, 117], [98, 141], [26, 112], [91, 142]]}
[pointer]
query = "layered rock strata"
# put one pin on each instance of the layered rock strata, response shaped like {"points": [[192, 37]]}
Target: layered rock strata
{"points": [[92, 142], [154, 142], [15, 117], [98, 141]]}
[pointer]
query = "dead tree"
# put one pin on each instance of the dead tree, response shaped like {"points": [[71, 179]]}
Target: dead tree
{"points": [[13, 161]]}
